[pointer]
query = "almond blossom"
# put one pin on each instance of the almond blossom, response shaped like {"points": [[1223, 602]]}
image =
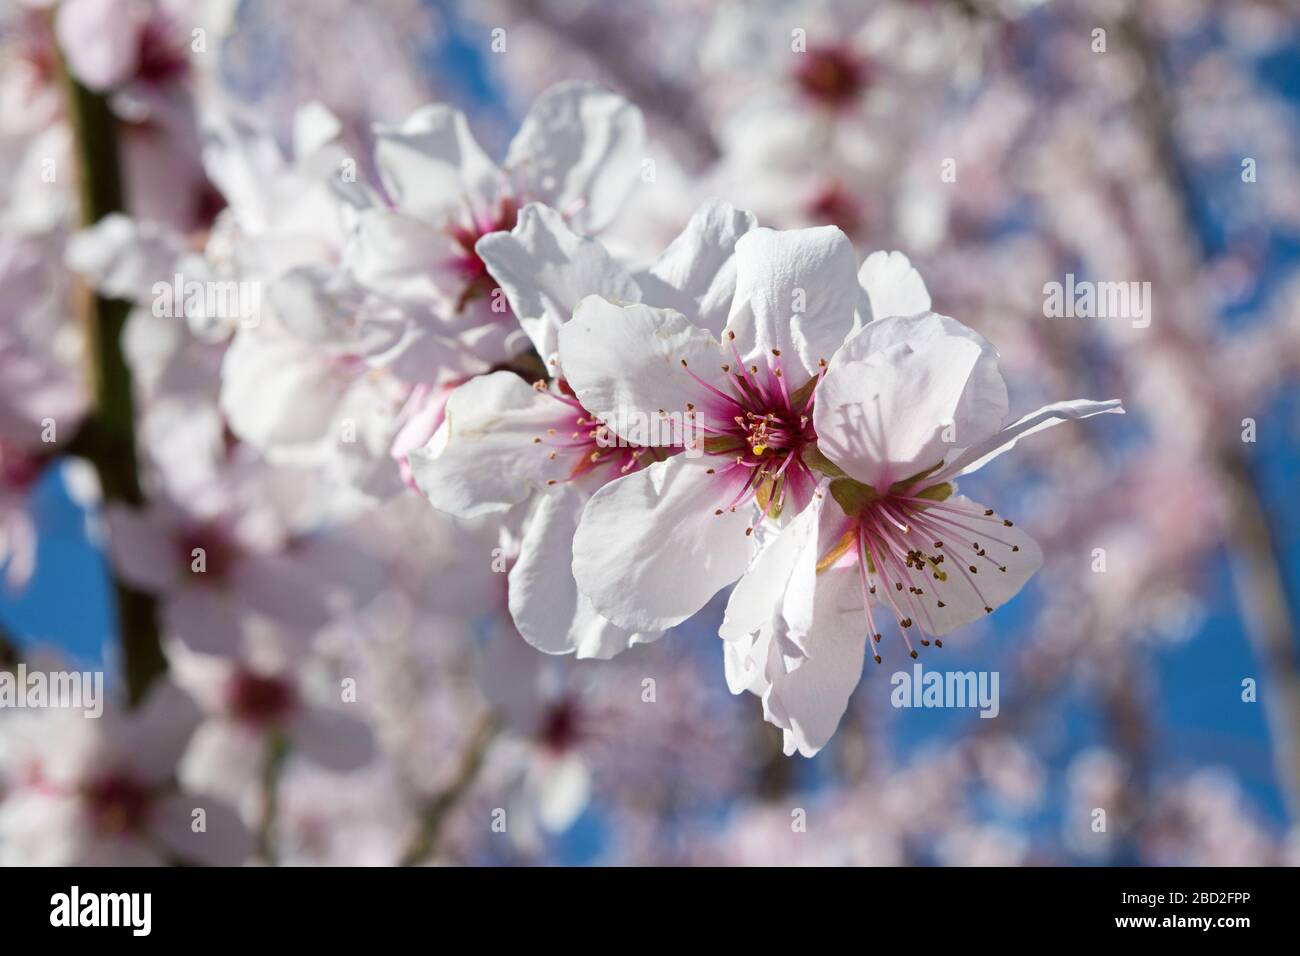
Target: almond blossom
{"points": [[908, 405], [504, 442], [743, 390], [578, 151], [100, 792]]}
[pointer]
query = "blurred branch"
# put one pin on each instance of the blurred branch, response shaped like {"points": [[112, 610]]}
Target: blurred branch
{"points": [[1260, 590], [425, 843], [1261, 593], [8, 650], [775, 770], [277, 749], [107, 437]]}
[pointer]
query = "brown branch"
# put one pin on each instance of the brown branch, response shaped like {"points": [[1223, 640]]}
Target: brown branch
{"points": [[1261, 594], [425, 843], [107, 437]]}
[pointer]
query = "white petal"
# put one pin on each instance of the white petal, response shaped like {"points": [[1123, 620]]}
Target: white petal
{"points": [[890, 286], [696, 275], [977, 456], [795, 291], [484, 458], [545, 603], [100, 39], [280, 587], [625, 365], [912, 330], [431, 165], [965, 594], [650, 552], [809, 701], [901, 410], [562, 788], [745, 663], [153, 738], [223, 841], [546, 269], [580, 148], [334, 740], [205, 618], [314, 127], [143, 547], [404, 258], [225, 759], [775, 595], [124, 258], [278, 393]]}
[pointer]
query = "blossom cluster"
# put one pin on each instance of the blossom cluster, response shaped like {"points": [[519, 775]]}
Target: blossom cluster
{"points": [[411, 435]]}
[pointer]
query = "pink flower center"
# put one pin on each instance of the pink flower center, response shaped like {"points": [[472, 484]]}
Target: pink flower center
{"points": [[588, 443], [160, 59], [468, 264], [762, 429], [832, 75], [834, 205], [259, 700], [906, 547], [18, 468], [118, 803], [561, 727], [208, 551], [36, 49]]}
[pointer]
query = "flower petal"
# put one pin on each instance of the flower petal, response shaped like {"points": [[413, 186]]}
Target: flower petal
{"points": [[334, 740], [277, 393], [898, 411], [966, 595], [581, 149], [795, 291], [775, 595], [561, 788], [484, 457], [624, 363], [650, 552], [205, 619], [808, 702], [124, 258], [404, 258], [431, 165], [100, 39], [890, 286], [223, 841], [142, 544], [980, 454], [696, 274], [549, 611], [546, 269]]}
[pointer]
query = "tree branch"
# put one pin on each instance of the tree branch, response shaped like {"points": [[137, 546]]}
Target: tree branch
{"points": [[1261, 593], [107, 437], [425, 843]]}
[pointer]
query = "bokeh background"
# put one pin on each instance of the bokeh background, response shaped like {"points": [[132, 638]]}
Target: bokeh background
{"points": [[1169, 155]]}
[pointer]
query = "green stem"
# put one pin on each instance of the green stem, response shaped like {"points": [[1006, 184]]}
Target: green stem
{"points": [[107, 437], [425, 843], [277, 749]]}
